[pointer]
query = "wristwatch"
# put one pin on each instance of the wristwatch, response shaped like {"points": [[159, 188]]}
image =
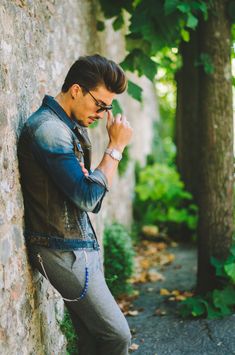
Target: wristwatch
{"points": [[114, 153]]}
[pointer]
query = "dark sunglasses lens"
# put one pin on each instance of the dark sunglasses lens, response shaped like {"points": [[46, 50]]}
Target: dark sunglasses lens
{"points": [[104, 109], [101, 110]]}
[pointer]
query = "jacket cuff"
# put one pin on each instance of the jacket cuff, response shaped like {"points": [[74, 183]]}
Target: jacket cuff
{"points": [[98, 177]]}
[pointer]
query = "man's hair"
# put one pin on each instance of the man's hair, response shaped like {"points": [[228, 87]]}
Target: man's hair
{"points": [[92, 71]]}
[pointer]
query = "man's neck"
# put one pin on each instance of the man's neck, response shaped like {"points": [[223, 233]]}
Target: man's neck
{"points": [[63, 101]]}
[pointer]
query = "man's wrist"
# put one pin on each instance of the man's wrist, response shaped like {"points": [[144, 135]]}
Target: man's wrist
{"points": [[114, 153], [116, 146]]}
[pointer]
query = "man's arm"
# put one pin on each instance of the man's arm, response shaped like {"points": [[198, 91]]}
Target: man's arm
{"points": [[52, 145], [120, 133]]}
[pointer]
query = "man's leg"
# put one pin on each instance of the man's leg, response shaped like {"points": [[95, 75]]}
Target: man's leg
{"points": [[97, 313]]}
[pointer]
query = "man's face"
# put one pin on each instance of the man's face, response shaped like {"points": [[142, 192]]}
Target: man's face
{"points": [[84, 108]]}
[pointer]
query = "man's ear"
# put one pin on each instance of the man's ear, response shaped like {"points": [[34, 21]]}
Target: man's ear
{"points": [[75, 91]]}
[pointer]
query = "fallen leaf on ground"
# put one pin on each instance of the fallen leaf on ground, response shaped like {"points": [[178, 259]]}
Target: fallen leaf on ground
{"points": [[154, 276], [164, 292], [133, 313], [160, 312], [134, 347]]}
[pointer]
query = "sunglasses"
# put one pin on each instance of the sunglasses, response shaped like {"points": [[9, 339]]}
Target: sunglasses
{"points": [[101, 107]]}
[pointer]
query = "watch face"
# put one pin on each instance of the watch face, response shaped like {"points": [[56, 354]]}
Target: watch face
{"points": [[116, 154]]}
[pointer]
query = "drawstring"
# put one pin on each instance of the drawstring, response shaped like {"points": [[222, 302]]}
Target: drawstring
{"points": [[85, 288]]}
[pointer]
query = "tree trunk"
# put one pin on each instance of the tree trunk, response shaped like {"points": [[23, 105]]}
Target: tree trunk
{"points": [[215, 122], [186, 130]]}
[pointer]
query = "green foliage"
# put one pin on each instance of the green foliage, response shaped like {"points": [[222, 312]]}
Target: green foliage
{"points": [[134, 90], [141, 63], [219, 302], [167, 24], [67, 328], [116, 107], [161, 198], [118, 259]]}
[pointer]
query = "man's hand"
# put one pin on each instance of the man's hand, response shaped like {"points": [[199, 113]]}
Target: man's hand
{"points": [[119, 131], [84, 170]]}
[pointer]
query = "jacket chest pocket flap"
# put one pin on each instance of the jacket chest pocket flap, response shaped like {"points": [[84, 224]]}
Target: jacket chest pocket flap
{"points": [[78, 151]]}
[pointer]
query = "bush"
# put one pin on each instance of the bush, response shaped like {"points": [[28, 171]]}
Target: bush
{"points": [[118, 259], [162, 200]]}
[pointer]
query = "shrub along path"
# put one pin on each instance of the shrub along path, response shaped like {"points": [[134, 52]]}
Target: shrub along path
{"points": [[156, 326]]}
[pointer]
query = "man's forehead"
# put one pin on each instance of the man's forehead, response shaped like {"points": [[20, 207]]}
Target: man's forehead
{"points": [[103, 94]]}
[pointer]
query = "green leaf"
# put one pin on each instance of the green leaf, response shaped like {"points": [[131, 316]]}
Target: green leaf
{"points": [[134, 90], [194, 306], [192, 21], [118, 23], [100, 26], [222, 299], [230, 270], [135, 41], [170, 6], [185, 35], [138, 61], [219, 266], [233, 250], [184, 8], [116, 107]]}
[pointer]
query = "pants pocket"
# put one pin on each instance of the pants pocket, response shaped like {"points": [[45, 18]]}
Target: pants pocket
{"points": [[67, 257]]}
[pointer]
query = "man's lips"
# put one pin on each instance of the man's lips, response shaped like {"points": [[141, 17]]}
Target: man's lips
{"points": [[94, 118]]}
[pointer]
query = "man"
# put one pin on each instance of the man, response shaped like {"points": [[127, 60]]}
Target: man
{"points": [[59, 189]]}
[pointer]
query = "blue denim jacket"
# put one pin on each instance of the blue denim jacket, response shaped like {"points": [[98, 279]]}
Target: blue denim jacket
{"points": [[57, 194]]}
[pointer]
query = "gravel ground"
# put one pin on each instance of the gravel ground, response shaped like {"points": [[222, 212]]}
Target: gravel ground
{"points": [[170, 334]]}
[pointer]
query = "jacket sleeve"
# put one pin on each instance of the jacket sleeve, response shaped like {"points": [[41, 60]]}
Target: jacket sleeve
{"points": [[52, 144]]}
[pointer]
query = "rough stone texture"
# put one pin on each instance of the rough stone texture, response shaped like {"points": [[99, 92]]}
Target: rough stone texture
{"points": [[39, 42]]}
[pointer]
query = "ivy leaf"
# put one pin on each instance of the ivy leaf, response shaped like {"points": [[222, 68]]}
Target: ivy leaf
{"points": [[116, 107], [100, 26], [170, 6], [233, 250], [118, 23], [185, 35], [134, 91], [194, 306], [140, 62], [222, 299], [184, 8], [192, 21], [136, 41], [230, 270], [219, 266]]}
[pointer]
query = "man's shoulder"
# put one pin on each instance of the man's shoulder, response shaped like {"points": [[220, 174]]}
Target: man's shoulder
{"points": [[48, 130]]}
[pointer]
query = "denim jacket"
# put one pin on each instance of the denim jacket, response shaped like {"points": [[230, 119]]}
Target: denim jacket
{"points": [[57, 194]]}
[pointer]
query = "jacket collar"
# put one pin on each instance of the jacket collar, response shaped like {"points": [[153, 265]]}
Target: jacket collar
{"points": [[59, 111]]}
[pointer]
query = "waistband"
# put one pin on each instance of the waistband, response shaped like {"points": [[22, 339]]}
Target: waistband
{"points": [[60, 243]]}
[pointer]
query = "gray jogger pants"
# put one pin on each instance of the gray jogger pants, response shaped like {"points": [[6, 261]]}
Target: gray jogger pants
{"points": [[101, 327]]}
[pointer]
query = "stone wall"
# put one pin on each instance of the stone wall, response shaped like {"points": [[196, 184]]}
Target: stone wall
{"points": [[39, 42]]}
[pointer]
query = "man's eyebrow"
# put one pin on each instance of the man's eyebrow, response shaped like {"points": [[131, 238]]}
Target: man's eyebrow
{"points": [[103, 103]]}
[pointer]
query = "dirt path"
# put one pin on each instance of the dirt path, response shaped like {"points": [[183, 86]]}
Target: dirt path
{"points": [[168, 334]]}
